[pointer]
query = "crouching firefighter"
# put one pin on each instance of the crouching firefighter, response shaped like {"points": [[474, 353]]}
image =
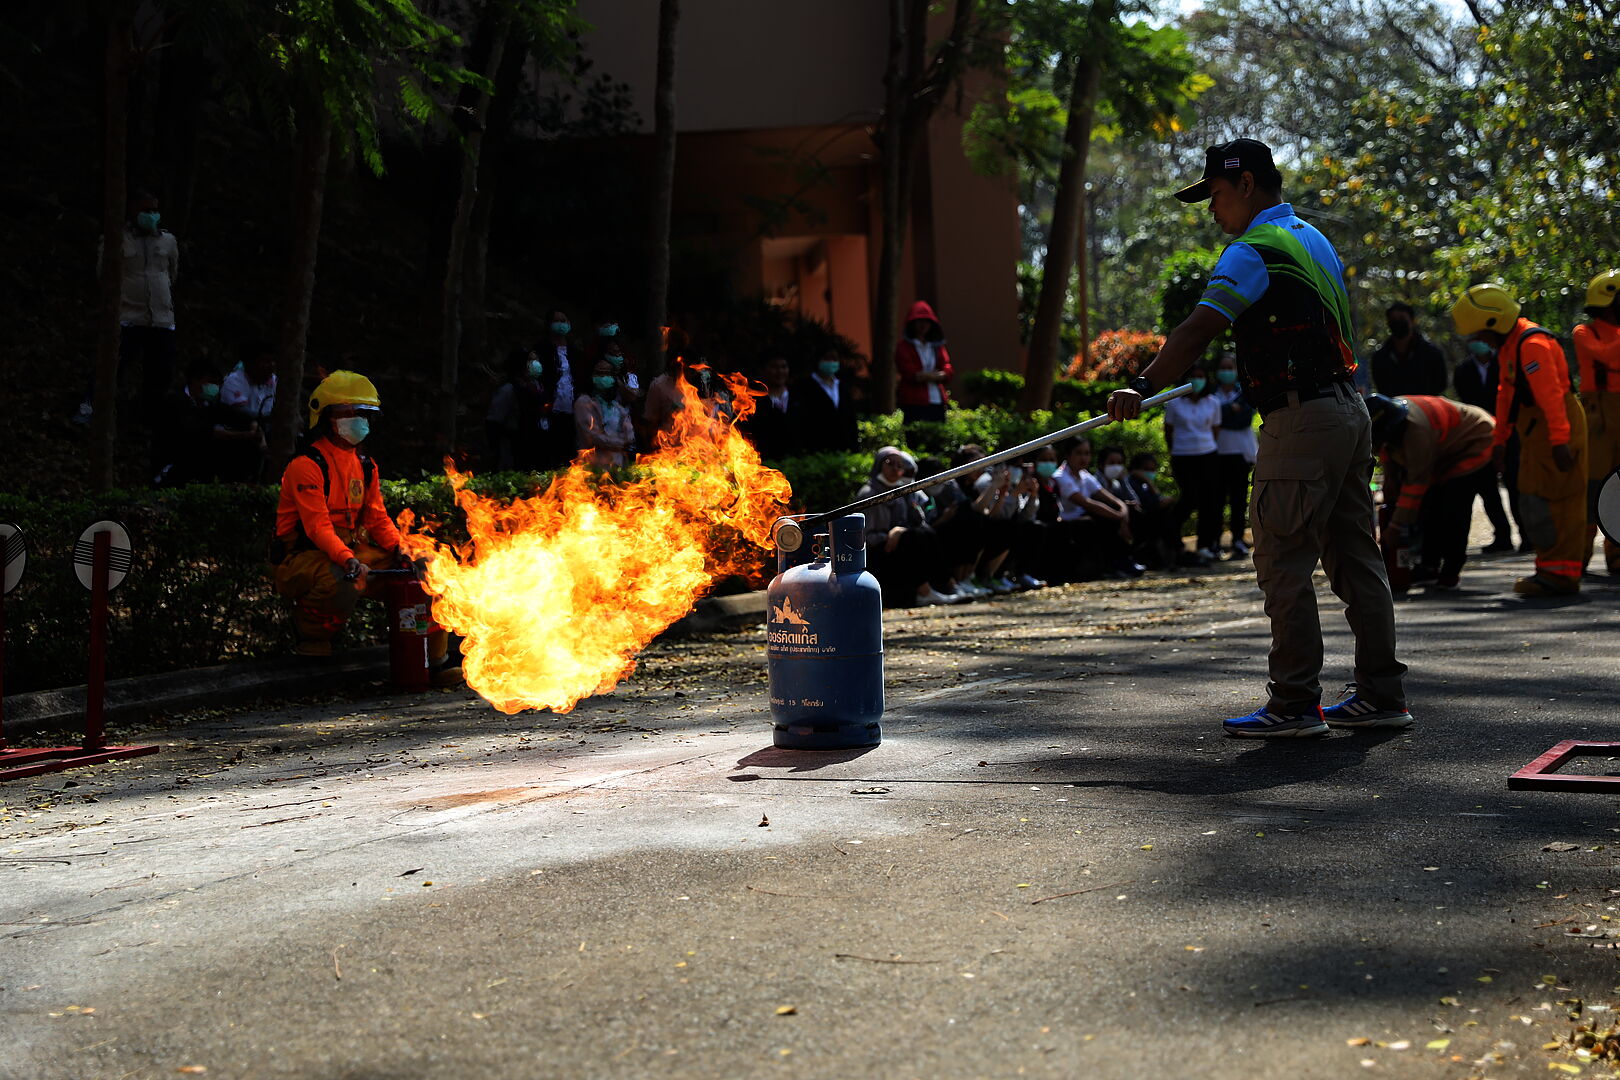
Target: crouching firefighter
{"points": [[1597, 349], [1534, 398], [331, 527], [1441, 451]]}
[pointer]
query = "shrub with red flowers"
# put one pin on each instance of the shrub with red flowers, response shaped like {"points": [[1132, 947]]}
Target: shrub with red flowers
{"points": [[1115, 355]]}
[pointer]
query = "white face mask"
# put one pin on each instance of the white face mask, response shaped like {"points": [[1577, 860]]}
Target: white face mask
{"points": [[1113, 472], [352, 429]]}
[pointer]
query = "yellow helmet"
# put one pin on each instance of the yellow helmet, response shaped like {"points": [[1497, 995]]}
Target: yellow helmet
{"points": [[1602, 290], [342, 388], [1485, 307]]}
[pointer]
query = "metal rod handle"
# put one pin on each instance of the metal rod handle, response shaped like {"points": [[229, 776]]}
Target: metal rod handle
{"points": [[790, 532]]}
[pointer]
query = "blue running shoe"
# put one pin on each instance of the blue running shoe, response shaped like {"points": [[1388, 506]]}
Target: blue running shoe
{"points": [[1354, 711], [1265, 724]]}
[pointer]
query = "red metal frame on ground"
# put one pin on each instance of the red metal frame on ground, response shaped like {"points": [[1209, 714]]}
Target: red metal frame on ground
{"points": [[1542, 774], [15, 764]]}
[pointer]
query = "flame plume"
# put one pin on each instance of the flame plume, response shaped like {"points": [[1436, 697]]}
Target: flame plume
{"points": [[555, 595]]}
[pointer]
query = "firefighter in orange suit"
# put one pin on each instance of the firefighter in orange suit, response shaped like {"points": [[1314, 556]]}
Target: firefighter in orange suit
{"points": [[1438, 447], [1597, 352], [1534, 398], [331, 527]]}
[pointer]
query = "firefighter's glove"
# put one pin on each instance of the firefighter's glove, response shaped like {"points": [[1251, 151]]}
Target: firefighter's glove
{"points": [[354, 570], [1563, 458]]}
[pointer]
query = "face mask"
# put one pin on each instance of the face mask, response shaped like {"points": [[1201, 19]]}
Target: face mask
{"points": [[1481, 350], [610, 330], [1045, 469], [1014, 475], [703, 379], [616, 361], [828, 367], [535, 369], [1113, 472], [1226, 376], [352, 429], [561, 328], [147, 220], [1150, 476], [1198, 385], [603, 383]]}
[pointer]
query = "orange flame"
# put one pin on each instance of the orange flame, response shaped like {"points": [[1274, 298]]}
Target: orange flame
{"points": [[555, 595]]}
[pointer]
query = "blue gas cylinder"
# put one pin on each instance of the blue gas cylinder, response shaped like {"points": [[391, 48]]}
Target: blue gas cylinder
{"points": [[824, 643]]}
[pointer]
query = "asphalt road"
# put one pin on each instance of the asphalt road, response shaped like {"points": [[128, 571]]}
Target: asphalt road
{"points": [[1054, 865]]}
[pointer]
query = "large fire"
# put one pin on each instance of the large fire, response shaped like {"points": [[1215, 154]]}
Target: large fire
{"points": [[555, 595]]}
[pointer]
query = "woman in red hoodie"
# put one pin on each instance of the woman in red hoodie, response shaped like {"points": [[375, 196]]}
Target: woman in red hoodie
{"points": [[923, 365]]}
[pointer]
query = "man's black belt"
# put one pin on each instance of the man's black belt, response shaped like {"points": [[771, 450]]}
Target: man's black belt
{"points": [[1302, 394]]}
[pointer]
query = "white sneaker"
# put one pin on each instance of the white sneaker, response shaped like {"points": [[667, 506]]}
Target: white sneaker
{"points": [[934, 599], [1029, 581], [969, 590]]}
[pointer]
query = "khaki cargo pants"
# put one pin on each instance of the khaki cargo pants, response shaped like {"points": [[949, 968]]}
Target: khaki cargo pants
{"points": [[1553, 503], [322, 602], [1312, 502]]}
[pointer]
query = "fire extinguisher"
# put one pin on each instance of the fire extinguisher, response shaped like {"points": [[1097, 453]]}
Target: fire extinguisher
{"points": [[409, 623]]}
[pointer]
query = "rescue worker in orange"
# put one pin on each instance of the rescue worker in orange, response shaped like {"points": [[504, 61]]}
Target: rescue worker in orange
{"points": [[1534, 398], [1439, 447], [1597, 353], [331, 527]]}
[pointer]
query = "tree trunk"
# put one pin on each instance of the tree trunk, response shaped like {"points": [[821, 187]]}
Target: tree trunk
{"points": [[663, 190], [1064, 239], [456, 255], [474, 302], [309, 193], [891, 242], [114, 147]]}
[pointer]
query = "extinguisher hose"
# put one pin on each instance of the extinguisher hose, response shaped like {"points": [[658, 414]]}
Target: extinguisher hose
{"points": [[790, 532]]}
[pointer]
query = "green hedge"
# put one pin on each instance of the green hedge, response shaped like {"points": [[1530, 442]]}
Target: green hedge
{"points": [[199, 591]]}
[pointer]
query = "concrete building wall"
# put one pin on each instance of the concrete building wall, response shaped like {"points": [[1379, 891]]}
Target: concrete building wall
{"points": [[749, 63]]}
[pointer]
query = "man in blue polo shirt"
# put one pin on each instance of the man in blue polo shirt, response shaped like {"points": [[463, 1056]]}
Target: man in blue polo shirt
{"points": [[1280, 286]]}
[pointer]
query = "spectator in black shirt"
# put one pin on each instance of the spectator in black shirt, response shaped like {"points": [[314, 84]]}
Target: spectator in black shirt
{"points": [[825, 407], [1408, 363], [771, 427]]}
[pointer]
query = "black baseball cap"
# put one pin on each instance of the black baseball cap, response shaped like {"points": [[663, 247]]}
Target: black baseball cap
{"points": [[1229, 160]]}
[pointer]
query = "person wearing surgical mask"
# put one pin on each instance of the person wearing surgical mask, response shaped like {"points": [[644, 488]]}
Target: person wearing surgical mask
{"points": [[1407, 362], [602, 425], [610, 346], [1190, 427], [826, 406], [563, 372], [150, 261], [189, 440], [516, 423]]}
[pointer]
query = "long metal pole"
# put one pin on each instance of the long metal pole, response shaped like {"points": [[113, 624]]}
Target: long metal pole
{"points": [[95, 690], [790, 532]]}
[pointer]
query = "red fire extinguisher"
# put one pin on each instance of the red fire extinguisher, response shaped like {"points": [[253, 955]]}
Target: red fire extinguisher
{"points": [[409, 623]]}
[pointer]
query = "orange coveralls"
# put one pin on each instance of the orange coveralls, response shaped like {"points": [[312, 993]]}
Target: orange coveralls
{"points": [[318, 531], [1597, 352], [1552, 503]]}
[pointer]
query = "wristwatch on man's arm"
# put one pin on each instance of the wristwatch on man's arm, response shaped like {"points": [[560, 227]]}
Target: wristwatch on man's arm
{"points": [[1141, 386]]}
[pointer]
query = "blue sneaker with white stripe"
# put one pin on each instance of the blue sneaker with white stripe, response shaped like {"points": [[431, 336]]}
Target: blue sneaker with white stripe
{"points": [[1265, 724], [1354, 711]]}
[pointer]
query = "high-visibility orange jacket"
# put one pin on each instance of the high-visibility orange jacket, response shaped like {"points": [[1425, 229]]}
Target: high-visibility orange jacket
{"points": [[1597, 351], [1539, 360], [1442, 440], [332, 517]]}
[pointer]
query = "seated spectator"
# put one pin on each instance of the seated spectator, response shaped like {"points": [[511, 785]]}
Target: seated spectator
{"points": [[902, 551], [602, 426], [826, 408], [184, 442], [1095, 525], [249, 392], [961, 525], [1160, 536], [1116, 481], [1009, 499], [515, 424], [771, 426]]}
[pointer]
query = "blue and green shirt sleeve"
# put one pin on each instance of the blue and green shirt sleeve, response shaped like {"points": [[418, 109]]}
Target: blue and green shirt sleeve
{"points": [[1239, 279]]}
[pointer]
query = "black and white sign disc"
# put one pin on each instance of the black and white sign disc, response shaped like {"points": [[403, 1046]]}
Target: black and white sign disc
{"points": [[119, 554], [1608, 507], [14, 552]]}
